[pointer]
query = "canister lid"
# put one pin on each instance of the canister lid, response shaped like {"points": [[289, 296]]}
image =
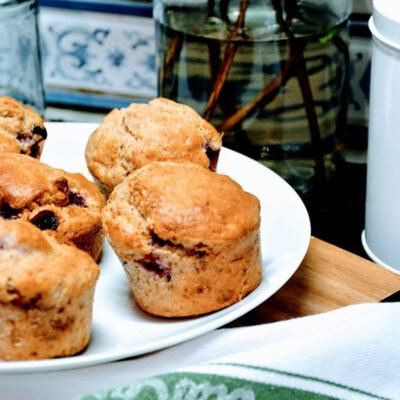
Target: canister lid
{"points": [[385, 22]]}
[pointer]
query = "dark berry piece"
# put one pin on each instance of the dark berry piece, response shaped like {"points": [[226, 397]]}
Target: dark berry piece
{"points": [[212, 156], [37, 130], [196, 253], [35, 149], [156, 241], [26, 140], [77, 200], [25, 303], [62, 185], [153, 263], [42, 133], [45, 219], [7, 212], [30, 142]]}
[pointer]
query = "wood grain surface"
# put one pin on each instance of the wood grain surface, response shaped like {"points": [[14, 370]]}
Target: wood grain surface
{"points": [[327, 279]]}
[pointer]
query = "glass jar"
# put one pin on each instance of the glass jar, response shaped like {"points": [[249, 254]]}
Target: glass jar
{"points": [[20, 64], [271, 75]]}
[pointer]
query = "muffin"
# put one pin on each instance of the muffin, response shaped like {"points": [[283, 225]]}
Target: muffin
{"points": [[188, 238], [21, 129], [46, 294], [53, 200], [132, 137]]}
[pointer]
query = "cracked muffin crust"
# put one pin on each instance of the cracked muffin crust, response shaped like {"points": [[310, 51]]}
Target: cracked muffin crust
{"points": [[21, 129], [188, 238], [46, 294], [66, 204], [132, 137]]}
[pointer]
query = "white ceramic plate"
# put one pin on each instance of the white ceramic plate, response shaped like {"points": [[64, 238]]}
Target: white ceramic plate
{"points": [[120, 328]]}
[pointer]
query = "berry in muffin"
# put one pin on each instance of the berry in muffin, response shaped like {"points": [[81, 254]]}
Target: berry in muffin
{"points": [[46, 294], [132, 137], [66, 204], [188, 238], [21, 129]]}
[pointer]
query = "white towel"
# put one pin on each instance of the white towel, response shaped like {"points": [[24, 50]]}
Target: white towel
{"points": [[351, 353]]}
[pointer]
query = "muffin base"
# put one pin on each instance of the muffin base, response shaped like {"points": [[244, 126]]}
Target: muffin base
{"points": [[31, 332], [197, 284]]}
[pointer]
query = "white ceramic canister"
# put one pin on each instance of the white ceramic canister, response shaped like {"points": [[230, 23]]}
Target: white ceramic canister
{"points": [[381, 238]]}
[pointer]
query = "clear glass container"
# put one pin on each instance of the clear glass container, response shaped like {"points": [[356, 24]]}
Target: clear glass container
{"points": [[20, 63], [271, 75]]}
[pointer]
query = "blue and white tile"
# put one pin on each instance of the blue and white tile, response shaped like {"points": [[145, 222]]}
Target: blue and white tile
{"points": [[98, 52]]}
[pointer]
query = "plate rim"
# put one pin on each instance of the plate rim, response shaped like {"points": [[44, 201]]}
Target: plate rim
{"points": [[73, 362]]}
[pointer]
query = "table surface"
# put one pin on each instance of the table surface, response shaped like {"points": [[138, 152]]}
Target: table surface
{"points": [[327, 279]]}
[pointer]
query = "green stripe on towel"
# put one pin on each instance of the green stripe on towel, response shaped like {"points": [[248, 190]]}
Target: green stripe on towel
{"points": [[189, 386]]}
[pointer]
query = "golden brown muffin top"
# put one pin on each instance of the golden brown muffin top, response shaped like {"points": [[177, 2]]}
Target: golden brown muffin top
{"points": [[38, 271], [182, 203], [8, 143], [34, 191], [132, 137], [22, 128]]}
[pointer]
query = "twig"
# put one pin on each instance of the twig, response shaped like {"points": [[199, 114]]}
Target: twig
{"points": [[214, 57], [171, 56], [223, 9], [343, 48], [175, 48], [305, 87], [210, 7], [291, 9], [220, 81], [266, 96], [226, 62], [240, 21], [302, 76]]}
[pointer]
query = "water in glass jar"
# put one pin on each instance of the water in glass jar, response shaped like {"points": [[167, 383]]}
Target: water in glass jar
{"points": [[262, 106]]}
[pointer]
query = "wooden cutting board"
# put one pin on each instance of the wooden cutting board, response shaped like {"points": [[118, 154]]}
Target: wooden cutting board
{"points": [[327, 279]]}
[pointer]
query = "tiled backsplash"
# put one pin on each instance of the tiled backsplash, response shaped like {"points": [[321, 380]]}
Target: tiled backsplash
{"points": [[100, 58], [102, 55]]}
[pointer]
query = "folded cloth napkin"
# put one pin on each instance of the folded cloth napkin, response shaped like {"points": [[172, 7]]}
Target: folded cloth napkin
{"points": [[351, 353]]}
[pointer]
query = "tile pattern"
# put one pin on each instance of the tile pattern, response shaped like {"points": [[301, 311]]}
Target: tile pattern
{"points": [[89, 51]]}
